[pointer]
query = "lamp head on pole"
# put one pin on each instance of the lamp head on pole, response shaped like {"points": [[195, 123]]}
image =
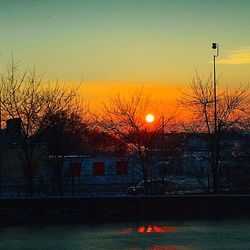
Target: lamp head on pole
{"points": [[214, 45]]}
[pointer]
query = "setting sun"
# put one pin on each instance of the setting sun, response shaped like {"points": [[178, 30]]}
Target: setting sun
{"points": [[150, 118]]}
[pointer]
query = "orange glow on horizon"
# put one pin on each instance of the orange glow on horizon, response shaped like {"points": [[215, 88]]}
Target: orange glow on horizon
{"points": [[164, 96], [98, 93]]}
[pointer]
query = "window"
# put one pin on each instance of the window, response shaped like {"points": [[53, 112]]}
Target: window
{"points": [[75, 169], [122, 167], [98, 168]]}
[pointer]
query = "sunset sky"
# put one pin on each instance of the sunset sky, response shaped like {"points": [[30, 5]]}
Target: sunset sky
{"points": [[116, 45]]}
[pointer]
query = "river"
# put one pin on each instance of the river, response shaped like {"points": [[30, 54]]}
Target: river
{"points": [[150, 235]]}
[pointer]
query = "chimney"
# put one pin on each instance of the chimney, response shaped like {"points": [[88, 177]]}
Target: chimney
{"points": [[14, 127]]}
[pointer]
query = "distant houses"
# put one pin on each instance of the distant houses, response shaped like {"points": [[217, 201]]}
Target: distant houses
{"points": [[234, 160], [12, 159]]}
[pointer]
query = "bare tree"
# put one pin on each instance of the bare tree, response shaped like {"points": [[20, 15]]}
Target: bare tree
{"points": [[65, 133], [124, 118], [232, 112], [26, 97]]}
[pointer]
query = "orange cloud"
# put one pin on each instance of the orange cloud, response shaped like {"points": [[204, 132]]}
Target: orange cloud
{"points": [[237, 56]]}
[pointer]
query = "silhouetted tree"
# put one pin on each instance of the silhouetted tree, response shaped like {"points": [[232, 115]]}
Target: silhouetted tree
{"points": [[64, 133], [232, 112], [103, 143], [26, 97], [124, 118]]}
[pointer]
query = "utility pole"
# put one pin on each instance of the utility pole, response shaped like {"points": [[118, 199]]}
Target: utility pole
{"points": [[215, 46], [163, 125], [0, 142]]}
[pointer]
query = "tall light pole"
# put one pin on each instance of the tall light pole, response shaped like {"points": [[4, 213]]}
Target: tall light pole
{"points": [[215, 46]]}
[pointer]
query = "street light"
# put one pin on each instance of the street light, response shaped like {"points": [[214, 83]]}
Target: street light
{"points": [[215, 46]]}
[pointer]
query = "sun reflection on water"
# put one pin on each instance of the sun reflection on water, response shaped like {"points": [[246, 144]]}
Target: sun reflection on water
{"points": [[156, 247], [162, 248], [149, 229], [157, 229]]}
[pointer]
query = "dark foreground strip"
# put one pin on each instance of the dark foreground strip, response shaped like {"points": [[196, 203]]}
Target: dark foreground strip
{"points": [[16, 211]]}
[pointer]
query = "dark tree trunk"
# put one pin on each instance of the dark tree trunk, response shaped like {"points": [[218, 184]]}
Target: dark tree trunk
{"points": [[145, 173], [58, 190]]}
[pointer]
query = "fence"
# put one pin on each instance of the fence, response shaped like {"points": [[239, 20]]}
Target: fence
{"points": [[70, 186]]}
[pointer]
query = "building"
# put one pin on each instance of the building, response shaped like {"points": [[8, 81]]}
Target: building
{"points": [[234, 160], [98, 174]]}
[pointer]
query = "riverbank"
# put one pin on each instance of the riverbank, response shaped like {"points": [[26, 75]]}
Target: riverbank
{"points": [[61, 210]]}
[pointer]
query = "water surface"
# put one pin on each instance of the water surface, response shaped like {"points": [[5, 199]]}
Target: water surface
{"points": [[150, 235]]}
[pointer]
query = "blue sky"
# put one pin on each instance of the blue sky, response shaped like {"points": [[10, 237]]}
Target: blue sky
{"points": [[127, 41]]}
